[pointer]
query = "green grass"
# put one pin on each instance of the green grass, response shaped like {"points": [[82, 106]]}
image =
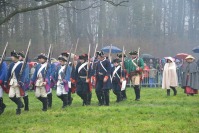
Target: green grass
{"points": [[155, 113]]}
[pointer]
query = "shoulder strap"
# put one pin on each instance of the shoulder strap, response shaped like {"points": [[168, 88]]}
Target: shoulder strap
{"points": [[82, 66], [103, 66]]}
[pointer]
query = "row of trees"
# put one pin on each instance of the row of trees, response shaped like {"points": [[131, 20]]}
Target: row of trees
{"points": [[159, 27]]}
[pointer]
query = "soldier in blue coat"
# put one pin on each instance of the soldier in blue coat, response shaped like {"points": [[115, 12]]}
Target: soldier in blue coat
{"points": [[27, 81], [41, 80], [116, 79], [3, 72], [49, 94], [13, 75], [82, 77], [62, 77], [103, 82]]}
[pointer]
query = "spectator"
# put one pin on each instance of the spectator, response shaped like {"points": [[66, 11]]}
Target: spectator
{"points": [[152, 76]]}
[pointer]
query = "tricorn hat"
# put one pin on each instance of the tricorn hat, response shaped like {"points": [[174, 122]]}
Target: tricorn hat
{"points": [[14, 54], [65, 53], [116, 61], [133, 53], [42, 56], [100, 53], [63, 58], [21, 54], [120, 55]]}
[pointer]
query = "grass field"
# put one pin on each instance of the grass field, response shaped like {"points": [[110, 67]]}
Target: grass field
{"points": [[155, 113]]}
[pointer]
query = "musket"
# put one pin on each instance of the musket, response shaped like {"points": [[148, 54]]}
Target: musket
{"points": [[68, 61], [88, 65], [24, 67], [110, 50], [122, 61], [75, 52], [94, 55], [48, 62], [3, 55]]}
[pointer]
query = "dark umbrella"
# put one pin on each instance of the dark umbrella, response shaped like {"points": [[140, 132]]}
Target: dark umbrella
{"points": [[196, 49], [148, 56], [181, 56], [114, 49]]}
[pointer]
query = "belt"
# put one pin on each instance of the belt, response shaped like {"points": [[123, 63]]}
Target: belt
{"points": [[83, 77], [100, 73]]}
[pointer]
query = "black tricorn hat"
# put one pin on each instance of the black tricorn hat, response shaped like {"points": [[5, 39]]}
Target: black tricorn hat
{"points": [[100, 53], [120, 55], [133, 53], [116, 61], [63, 58], [15, 54], [42, 56], [83, 57], [21, 54], [65, 53]]}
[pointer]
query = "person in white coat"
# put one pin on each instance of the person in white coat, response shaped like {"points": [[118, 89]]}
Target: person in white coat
{"points": [[170, 78]]}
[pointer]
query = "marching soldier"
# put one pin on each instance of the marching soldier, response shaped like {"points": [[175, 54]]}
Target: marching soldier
{"points": [[63, 78], [134, 68], [103, 82], [116, 79], [41, 80], [123, 90], [27, 81], [15, 90], [71, 85], [82, 78], [3, 72]]}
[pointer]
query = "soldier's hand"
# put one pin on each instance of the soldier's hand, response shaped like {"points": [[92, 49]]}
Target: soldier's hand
{"points": [[44, 83], [87, 80]]}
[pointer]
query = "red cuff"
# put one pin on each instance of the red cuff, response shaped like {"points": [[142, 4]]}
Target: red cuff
{"points": [[1, 81]]}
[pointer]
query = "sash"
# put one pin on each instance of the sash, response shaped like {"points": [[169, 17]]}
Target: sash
{"points": [[103, 65], [14, 67], [115, 72], [82, 66], [60, 71], [40, 69]]}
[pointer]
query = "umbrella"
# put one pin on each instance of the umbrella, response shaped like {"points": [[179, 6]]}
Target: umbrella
{"points": [[148, 56], [114, 49], [181, 56], [196, 49]]}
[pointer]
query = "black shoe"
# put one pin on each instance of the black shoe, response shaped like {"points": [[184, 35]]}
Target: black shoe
{"points": [[137, 99], [18, 111]]}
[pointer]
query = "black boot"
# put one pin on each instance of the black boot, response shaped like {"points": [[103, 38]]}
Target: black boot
{"points": [[89, 96], [70, 99], [99, 97], [168, 92], [137, 92], [65, 100], [19, 102], [85, 100], [124, 95], [14, 99], [44, 102], [26, 102], [2, 106], [49, 100], [118, 97], [18, 111], [106, 96], [174, 91]]}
